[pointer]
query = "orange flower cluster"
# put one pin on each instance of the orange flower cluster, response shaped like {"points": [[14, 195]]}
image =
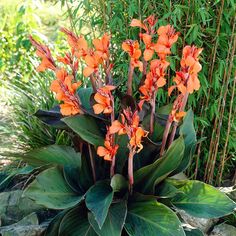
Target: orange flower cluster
{"points": [[65, 91], [130, 125], [149, 26], [187, 79], [64, 85], [104, 100], [166, 38], [155, 79], [132, 48], [109, 150], [92, 57], [44, 53]]}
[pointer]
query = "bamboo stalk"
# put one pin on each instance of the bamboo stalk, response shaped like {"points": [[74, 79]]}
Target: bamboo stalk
{"points": [[222, 112], [214, 131], [222, 159]]}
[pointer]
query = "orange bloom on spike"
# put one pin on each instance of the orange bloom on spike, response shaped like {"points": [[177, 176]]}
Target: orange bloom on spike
{"points": [[132, 48], [65, 91], [109, 150], [167, 37], [187, 79], [155, 79], [147, 25], [102, 46], [79, 45], [149, 50], [129, 125], [176, 115], [44, 53], [104, 100], [93, 60]]}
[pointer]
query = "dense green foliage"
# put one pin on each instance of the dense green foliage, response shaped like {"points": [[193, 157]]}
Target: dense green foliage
{"points": [[207, 24]]}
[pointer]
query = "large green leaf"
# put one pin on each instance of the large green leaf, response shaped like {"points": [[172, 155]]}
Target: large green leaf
{"points": [[147, 218], [188, 132], [75, 223], [85, 94], [202, 200], [98, 200], [114, 222], [54, 154], [51, 190], [86, 127], [147, 177]]}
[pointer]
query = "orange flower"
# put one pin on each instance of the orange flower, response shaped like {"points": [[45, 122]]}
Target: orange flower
{"points": [[44, 53], [148, 24], [155, 79], [176, 113], [167, 37], [65, 91], [104, 100], [132, 48], [102, 46], [135, 141], [149, 50], [130, 125], [93, 61], [109, 150], [79, 45], [187, 79]]}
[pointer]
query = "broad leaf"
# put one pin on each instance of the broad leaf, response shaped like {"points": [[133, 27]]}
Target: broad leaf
{"points": [[98, 200], [202, 200], [51, 190], [147, 177], [52, 117], [148, 218], [86, 127], [166, 190], [84, 95], [114, 222], [75, 223], [188, 132], [54, 154]]}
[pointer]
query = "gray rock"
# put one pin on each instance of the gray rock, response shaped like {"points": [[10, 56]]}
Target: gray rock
{"points": [[28, 226], [230, 191], [223, 230], [13, 207], [200, 223]]}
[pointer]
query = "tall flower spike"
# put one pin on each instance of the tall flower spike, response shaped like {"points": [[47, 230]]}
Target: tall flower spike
{"points": [[130, 125], [44, 53]]}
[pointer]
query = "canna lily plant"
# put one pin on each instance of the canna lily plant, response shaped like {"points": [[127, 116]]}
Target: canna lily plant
{"points": [[120, 176]]}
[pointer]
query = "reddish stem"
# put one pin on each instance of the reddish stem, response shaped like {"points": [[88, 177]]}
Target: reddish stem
{"points": [[152, 115], [165, 136], [130, 79], [92, 162], [130, 170], [113, 163]]}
